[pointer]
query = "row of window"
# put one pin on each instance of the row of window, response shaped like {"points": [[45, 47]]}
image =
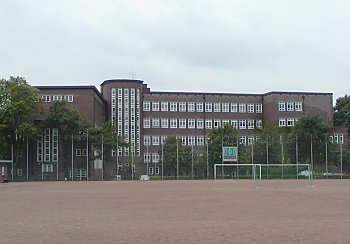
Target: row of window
{"points": [[81, 152], [337, 138], [200, 107], [287, 121], [290, 106], [241, 124], [49, 98]]}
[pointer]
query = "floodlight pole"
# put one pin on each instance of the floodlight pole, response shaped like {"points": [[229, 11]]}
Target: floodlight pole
{"points": [[12, 170], [87, 155], [177, 158], [267, 156], [341, 161], [162, 161], [207, 159], [326, 156], [72, 171], [27, 160], [102, 159], [192, 164], [296, 155]]}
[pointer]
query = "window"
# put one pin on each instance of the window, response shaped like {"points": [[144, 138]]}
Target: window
{"points": [[281, 122], [208, 124], [146, 106], [19, 172], [78, 152], [199, 107], [281, 106], [258, 108], [242, 124], [57, 98], [165, 123], [233, 107], [173, 106], [182, 107], [84, 152], [208, 107], [298, 106], [146, 157], [290, 106], [234, 124], [69, 98], [191, 123], [183, 140], [341, 138], [225, 108], [146, 123], [157, 170], [242, 107], [191, 140], [243, 140], [182, 123], [114, 152], [162, 139], [155, 157], [47, 168], [155, 106], [164, 106], [150, 169], [250, 124], [147, 140], [200, 124], [200, 140], [173, 123], [225, 122], [259, 124], [46, 98], [155, 140], [250, 140], [290, 122], [155, 123], [217, 107], [191, 107], [217, 123], [250, 108]]}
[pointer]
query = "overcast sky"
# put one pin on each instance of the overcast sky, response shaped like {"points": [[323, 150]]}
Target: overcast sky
{"points": [[248, 46]]}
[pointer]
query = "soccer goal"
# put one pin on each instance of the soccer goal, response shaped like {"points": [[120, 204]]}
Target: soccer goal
{"points": [[283, 175], [237, 171]]}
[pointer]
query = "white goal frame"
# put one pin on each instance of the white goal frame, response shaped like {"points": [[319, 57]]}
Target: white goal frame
{"points": [[253, 169]]}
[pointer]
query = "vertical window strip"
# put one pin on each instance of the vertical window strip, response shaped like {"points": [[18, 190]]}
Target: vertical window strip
{"points": [[54, 145], [39, 148], [47, 145], [113, 105]]}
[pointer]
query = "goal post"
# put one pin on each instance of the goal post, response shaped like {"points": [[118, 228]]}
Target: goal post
{"points": [[250, 171]]}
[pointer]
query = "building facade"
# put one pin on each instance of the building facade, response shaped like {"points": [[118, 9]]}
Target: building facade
{"points": [[144, 118]]}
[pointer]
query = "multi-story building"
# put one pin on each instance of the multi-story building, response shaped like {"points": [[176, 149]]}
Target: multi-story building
{"points": [[144, 118]]}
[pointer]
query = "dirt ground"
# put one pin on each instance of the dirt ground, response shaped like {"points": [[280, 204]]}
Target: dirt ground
{"points": [[221, 211]]}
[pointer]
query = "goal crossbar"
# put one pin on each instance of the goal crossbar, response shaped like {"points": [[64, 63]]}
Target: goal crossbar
{"points": [[253, 168]]}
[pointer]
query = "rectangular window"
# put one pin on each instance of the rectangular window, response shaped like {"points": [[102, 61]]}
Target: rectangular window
{"points": [[173, 106], [259, 124], [243, 140], [258, 108], [155, 140], [208, 124], [250, 140], [147, 140], [155, 106], [225, 108], [250, 108], [155, 123], [165, 123], [341, 138], [281, 106], [57, 98], [200, 140], [234, 124], [19, 172], [242, 107], [208, 107], [250, 124], [69, 98], [47, 145], [234, 108], [157, 170], [281, 122], [84, 152], [47, 168], [146, 123], [290, 122], [183, 140], [182, 123], [225, 122], [155, 157], [54, 145], [290, 106], [46, 98], [173, 123], [200, 124], [150, 169], [217, 123], [182, 106], [164, 106], [191, 107], [191, 123], [146, 106], [199, 107], [217, 108], [298, 106], [191, 140], [146, 158], [242, 124]]}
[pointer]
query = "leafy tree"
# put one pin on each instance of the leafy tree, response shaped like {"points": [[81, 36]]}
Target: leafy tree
{"points": [[342, 112]]}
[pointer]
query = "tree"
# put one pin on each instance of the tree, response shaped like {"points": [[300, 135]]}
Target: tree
{"points": [[342, 112]]}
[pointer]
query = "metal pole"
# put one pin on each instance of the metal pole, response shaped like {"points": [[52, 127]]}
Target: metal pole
{"points": [[72, 170], [162, 161], [132, 162], [27, 160], [207, 159], [148, 158], [282, 154], [117, 154], [297, 155], [12, 170], [222, 156], [311, 155], [192, 164], [267, 157], [341, 161], [326, 157], [57, 154], [177, 158], [87, 156], [102, 158]]}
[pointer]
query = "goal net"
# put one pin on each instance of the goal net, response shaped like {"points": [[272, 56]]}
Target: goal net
{"points": [[283, 175], [236, 171]]}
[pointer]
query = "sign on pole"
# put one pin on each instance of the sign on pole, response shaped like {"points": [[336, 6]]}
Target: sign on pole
{"points": [[229, 154]]}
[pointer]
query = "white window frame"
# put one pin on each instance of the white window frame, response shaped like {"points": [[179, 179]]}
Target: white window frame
{"points": [[146, 106], [199, 107], [155, 157], [182, 106], [173, 123], [200, 123], [46, 98], [208, 107], [242, 108], [258, 108], [208, 124], [281, 106], [242, 124], [290, 106], [182, 123], [234, 108], [234, 123], [217, 107], [146, 123], [155, 123], [290, 122], [225, 108], [250, 108], [191, 107], [200, 140], [155, 140], [164, 106], [282, 122], [258, 123], [217, 123], [147, 140], [69, 98], [155, 106], [298, 106], [191, 124], [173, 106], [165, 123], [191, 140], [251, 124]]}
